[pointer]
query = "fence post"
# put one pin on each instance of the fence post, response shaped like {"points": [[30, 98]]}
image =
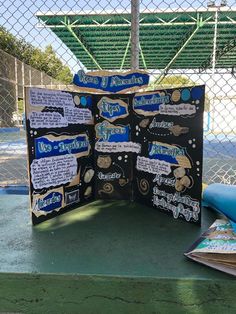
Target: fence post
{"points": [[134, 34], [214, 66], [23, 80], [16, 91]]}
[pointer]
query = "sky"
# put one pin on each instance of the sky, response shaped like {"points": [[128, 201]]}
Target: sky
{"points": [[18, 16]]}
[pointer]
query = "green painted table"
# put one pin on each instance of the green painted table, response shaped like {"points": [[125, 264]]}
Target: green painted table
{"points": [[106, 257]]}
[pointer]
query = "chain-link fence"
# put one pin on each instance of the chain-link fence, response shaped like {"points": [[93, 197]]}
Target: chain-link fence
{"points": [[43, 43]]}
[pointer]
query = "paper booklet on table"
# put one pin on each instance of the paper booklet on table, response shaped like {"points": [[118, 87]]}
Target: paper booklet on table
{"points": [[144, 147], [216, 247]]}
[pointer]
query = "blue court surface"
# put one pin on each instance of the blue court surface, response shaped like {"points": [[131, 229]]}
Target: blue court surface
{"points": [[12, 142], [215, 145], [219, 155], [219, 145], [13, 147]]}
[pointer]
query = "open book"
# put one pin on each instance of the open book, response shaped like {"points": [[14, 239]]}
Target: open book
{"points": [[216, 247]]}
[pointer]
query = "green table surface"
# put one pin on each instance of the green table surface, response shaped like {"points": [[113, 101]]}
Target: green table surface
{"points": [[115, 238]]}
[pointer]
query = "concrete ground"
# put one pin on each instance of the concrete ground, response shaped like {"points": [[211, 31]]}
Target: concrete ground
{"points": [[105, 257], [13, 158]]}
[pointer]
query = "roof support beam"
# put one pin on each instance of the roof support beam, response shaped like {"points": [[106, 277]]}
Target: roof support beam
{"points": [[163, 73], [95, 26], [221, 52], [82, 44], [142, 56], [111, 33], [126, 52]]}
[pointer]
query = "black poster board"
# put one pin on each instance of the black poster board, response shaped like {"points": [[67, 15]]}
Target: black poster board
{"points": [[168, 172], [113, 158], [144, 147], [60, 136]]}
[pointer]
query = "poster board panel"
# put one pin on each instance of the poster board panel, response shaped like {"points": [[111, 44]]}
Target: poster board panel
{"points": [[113, 147], [60, 136], [168, 172]]}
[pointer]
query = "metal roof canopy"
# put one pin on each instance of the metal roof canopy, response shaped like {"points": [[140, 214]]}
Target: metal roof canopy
{"points": [[180, 39]]}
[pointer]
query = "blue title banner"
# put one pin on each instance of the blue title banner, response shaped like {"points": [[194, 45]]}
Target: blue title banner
{"points": [[149, 102], [107, 132], [111, 109], [112, 83], [168, 154], [47, 148], [49, 203]]}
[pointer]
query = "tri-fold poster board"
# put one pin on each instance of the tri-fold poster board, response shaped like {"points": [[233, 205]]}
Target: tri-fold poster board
{"points": [[143, 147]]}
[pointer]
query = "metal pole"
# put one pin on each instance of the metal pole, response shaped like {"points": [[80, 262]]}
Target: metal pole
{"points": [[16, 89], [134, 34], [214, 67], [23, 80], [214, 43]]}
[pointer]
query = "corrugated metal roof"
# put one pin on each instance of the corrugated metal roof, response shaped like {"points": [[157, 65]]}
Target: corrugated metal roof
{"points": [[180, 40]]}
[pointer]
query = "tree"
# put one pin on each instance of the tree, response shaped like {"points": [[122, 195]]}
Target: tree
{"points": [[65, 75], [179, 81], [45, 61], [55, 67]]}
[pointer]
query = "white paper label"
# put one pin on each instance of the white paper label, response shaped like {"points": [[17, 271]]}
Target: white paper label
{"points": [[153, 165], [78, 115], [49, 98], [53, 171], [177, 110], [113, 147], [47, 120]]}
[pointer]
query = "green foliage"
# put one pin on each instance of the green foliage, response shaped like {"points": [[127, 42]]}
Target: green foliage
{"points": [[179, 81], [21, 106], [45, 61]]}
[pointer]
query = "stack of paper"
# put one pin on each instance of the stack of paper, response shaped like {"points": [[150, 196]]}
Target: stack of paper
{"points": [[216, 247]]}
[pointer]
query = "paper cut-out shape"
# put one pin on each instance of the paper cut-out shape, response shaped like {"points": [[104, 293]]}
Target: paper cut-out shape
{"points": [[106, 189], [172, 154], [177, 130], [107, 132], [111, 82], [50, 201], [112, 109]]}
